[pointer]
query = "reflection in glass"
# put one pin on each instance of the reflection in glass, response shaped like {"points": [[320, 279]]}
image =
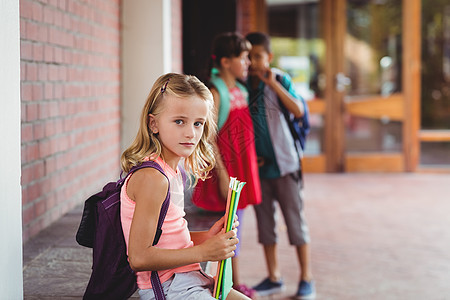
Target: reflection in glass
{"points": [[371, 135], [435, 153], [435, 105], [297, 45], [373, 46], [315, 137], [299, 49]]}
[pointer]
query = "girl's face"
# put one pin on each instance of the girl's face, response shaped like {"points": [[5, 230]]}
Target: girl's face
{"points": [[238, 66], [179, 125]]}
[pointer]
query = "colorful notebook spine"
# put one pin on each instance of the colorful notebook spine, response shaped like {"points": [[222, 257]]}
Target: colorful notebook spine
{"points": [[223, 279]]}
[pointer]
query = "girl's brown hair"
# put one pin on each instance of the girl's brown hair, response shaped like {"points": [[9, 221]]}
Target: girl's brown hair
{"points": [[147, 144], [228, 44]]}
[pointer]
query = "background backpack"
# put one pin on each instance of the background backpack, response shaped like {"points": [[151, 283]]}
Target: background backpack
{"points": [[101, 229], [299, 127]]}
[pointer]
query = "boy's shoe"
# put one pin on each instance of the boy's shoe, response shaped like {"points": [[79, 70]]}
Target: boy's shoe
{"points": [[249, 292], [268, 287], [306, 290]]}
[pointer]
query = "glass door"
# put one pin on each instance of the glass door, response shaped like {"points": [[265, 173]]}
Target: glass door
{"points": [[372, 83], [357, 63], [371, 124]]}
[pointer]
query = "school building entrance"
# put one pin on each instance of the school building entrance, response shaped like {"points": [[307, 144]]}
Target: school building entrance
{"points": [[375, 74]]}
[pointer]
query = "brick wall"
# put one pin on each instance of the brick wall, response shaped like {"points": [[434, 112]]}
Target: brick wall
{"points": [[70, 89]]}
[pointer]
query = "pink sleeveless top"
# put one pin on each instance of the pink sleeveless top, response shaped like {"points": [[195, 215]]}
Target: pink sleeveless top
{"points": [[175, 233]]}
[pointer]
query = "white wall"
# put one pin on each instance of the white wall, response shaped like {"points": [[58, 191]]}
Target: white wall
{"points": [[146, 54], [11, 280]]}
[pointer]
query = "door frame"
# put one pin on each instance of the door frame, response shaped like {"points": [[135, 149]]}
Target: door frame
{"points": [[407, 103]]}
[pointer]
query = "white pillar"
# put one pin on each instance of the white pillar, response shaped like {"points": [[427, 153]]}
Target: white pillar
{"points": [[146, 54], [11, 279]]}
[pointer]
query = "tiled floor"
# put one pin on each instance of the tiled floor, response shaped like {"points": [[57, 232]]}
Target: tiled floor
{"points": [[374, 236]]}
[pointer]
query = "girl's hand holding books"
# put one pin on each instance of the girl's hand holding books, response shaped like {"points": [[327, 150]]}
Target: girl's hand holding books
{"points": [[219, 247]]}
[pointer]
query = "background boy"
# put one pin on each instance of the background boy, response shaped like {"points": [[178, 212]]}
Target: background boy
{"points": [[279, 165]]}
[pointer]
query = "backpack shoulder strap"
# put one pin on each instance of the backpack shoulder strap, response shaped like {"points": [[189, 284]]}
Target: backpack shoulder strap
{"points": [[224, 106], [286, 82], [165, 205], [154, 277]]}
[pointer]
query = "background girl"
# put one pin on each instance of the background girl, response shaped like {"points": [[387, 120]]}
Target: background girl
{"points": [[235, 140], [176, 122]]}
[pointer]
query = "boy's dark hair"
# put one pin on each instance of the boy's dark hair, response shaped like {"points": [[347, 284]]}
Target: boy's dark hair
{"points": [[259, 39], [228, 44]]}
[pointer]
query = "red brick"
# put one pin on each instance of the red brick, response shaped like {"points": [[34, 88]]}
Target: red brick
{"points": [[67, 20], [31, 72], [58, 90], [23, 71], [38, 93], [38, 52], [42, 72], [54, 36], [48, 13], [44, 148], [38, 130], [51, 128], [30, 152], [50, 168], [58, 19], [53, 74], [28, 214], [27, 133], [26, 91], [25, 9], [34, 191], [23, 27], [40, 207], [48, 90], [26, 50], [31, 31], [31, 112], [62, 4], [62, 73], [67, 57], [58, 55], [48, 53], [43, 33], [37, 11]]}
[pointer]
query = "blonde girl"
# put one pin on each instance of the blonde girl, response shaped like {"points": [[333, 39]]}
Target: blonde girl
{"points": [[176, 124]]}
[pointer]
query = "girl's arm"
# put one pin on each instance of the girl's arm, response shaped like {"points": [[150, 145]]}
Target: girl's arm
{"points": [[290, 102], [148, 188], [222, 173]]}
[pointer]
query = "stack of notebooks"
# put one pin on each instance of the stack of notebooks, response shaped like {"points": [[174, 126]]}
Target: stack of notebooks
{"points": [[224, 275]]}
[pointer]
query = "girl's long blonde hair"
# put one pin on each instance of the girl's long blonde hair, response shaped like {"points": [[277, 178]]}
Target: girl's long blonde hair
{"points": [[147, 144]]}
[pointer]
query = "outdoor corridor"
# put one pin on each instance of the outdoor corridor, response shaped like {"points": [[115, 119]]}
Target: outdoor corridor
{"points": [[374, 236]]}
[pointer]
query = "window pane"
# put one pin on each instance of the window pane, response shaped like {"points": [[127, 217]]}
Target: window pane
{"points": [[299, 49], [435, 153], [370, 135], [373, 46], [435, 64], [314, 142]]}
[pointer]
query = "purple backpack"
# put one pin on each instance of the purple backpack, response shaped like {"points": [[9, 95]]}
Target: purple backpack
{"points": [[101, 229]]}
